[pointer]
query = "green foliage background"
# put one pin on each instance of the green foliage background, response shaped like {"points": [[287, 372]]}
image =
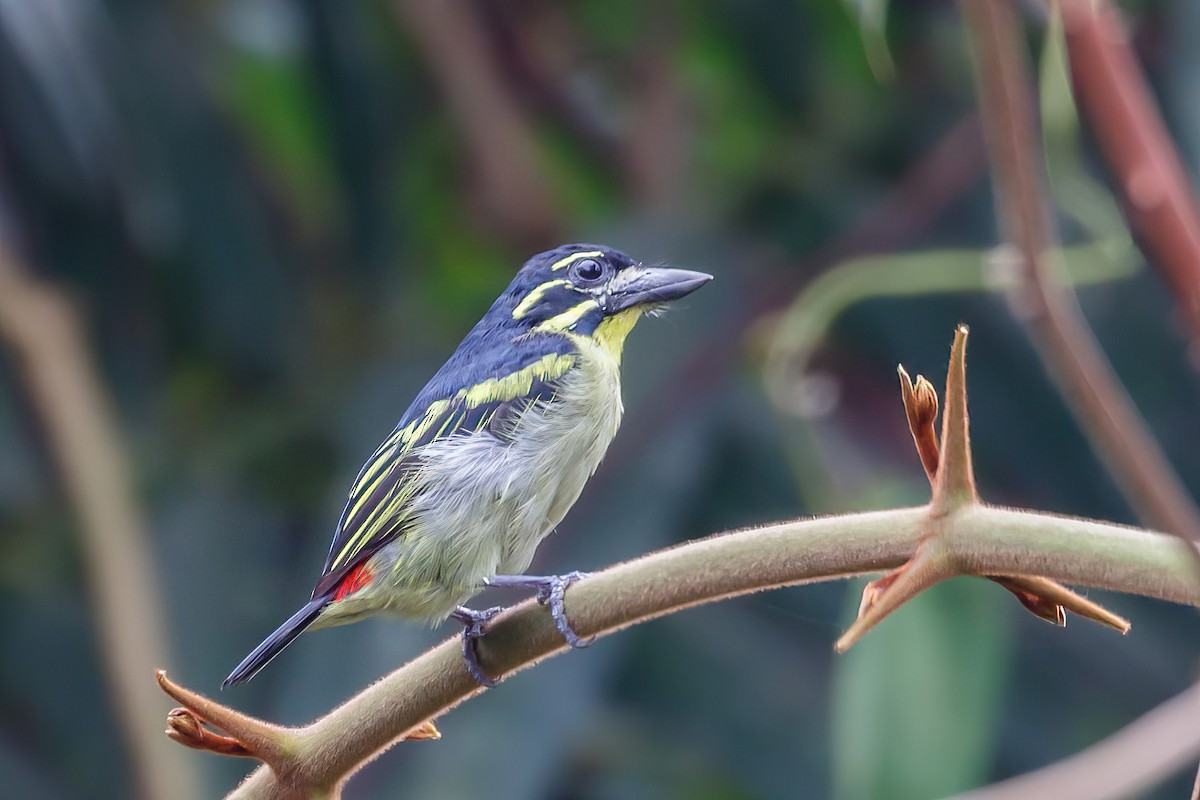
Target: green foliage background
{"points": [[272, 217]]}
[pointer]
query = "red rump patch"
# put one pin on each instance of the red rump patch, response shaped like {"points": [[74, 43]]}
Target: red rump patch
{"points": [[355, 579]]}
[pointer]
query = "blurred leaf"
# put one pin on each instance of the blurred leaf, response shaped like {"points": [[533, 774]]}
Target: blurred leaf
{"points": [[872, 21], [273, 99], [741, 127], [916, 703]]}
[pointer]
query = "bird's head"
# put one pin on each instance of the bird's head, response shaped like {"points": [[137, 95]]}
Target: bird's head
{"points": [[586, 290]]}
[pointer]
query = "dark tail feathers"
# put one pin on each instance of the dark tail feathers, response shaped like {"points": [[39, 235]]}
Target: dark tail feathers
{"points": [[284, 635]]}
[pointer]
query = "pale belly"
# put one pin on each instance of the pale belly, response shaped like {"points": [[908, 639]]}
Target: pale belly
{"points": [[487, 503]]}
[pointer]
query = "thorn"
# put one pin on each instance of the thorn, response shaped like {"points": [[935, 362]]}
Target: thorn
{"points": [[921, 408], [186, 728], [883, 596], [950, 471], [426, 731], [1036, 604], [247, 736], [954, 486], [1043, 593]]}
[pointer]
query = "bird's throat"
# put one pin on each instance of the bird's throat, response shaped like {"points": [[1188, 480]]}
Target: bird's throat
{"points": [[610, 334]]}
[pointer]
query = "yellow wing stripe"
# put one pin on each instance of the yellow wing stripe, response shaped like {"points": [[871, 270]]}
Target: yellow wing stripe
{"points": [[387, 510], [388, 455], [375, 462], [450, 424], [416, 429], [563, 263], [531, 299], [516, 384], [370, 490]]}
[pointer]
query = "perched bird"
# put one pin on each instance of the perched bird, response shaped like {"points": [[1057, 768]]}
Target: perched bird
{"points": [[491, 455]]}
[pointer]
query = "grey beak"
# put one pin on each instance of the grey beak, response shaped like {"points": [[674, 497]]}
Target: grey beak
{"points": [[655, 285]]}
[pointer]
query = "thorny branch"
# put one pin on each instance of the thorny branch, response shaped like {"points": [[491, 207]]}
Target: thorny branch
{"points": [[970, 538]]}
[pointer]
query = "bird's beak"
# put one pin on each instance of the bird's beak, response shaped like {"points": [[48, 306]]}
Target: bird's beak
{"points": [[652, 285]]}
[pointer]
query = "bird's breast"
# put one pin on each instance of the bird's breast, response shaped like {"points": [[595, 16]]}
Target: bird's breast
{"points": [[487, 502], [565, 440]]}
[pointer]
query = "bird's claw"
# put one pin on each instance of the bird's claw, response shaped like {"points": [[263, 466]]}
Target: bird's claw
{"points": [[554, 593], [473, 624], [551, 590]]}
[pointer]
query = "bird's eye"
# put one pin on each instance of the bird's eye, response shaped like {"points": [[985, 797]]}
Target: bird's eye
{"points": [[588, 270]]}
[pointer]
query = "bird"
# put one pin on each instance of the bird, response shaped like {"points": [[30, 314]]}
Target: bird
{"points": [[490, 455]]}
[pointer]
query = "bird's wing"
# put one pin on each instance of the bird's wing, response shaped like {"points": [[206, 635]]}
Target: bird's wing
{"points": [[380, 500]]}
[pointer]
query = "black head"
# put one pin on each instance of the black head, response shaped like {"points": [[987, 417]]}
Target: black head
{"points": [[577, 287]]}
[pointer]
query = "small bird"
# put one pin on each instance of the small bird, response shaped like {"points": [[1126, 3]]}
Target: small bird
{"points": [[490, 456]]}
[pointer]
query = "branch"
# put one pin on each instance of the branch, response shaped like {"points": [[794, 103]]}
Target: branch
{"points": [[1065, 343], [511, 180], [954, 535], [1159, 200], [49, 344], [1125, 764], [992, 541]]}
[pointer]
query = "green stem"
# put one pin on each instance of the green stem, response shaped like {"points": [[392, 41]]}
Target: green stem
{"points": [[985, 540]]}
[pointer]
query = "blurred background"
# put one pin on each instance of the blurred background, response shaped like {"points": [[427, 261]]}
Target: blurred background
{"points": [[271, 220]]}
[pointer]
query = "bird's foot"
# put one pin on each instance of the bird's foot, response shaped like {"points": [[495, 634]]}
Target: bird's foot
{"points": [[473, 622], [552, 590]]}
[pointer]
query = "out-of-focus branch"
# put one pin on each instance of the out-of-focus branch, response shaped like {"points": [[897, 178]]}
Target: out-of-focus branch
{"points": [[1159, 200], [943, 174], [1064, 341], [511, 181], [1126, 764], [534, 42], [44, 333], [539, 49], [656, 154], [802, 328]]}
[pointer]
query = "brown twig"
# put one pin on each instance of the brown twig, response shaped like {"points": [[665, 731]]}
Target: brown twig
{"points": [[49, 344], [512, 183], [1151, 178], [656, 150], [1050, 311], [536, 44]]}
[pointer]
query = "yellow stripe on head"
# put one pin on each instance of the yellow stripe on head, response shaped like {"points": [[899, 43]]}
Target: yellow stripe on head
{"points": [[563, 263], [532, 299], [564, 321]]}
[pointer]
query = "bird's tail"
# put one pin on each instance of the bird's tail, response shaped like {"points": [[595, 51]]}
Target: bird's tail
{"points": [[284, 635]]}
